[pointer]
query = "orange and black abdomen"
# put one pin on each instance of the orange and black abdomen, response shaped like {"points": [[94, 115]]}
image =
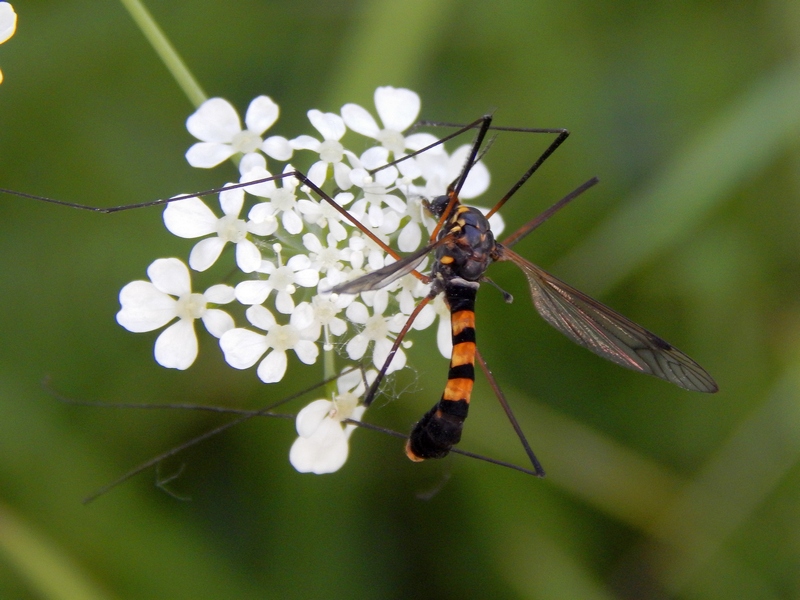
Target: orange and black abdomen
{"points": [[440, 429]]}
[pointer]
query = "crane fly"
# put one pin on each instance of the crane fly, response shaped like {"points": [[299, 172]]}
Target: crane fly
{"points": [[464, 247]]}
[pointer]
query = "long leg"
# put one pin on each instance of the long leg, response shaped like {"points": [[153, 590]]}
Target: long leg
{"points": [[562, 135], [533, 168], [373, 389], [299, 175], [455, 187], [158, 202], [520, 233], [453, 450], [245, 416], [539, 471], [161, 201]]}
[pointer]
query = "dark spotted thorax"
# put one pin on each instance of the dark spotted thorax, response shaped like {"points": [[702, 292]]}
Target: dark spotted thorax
{"points": [[473, 247]]}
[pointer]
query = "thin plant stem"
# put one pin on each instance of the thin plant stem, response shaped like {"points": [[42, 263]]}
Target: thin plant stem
{"points": [[166, 52]]}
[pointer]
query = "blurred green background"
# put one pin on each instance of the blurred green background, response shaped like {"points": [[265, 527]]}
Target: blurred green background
{"points": [[689, 112]]}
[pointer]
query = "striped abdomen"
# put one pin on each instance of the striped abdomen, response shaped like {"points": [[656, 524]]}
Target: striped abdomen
{"points": [[440, 428]]}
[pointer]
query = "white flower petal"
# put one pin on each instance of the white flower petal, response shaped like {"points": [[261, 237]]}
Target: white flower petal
{"points": [[497, 223], [190, 218], [410, 237], [357, 347], [337, 230], [375, 216], [303, 316], [307, 278], [312, 243], [248, 256], [477, 182], [277, 147], [305, 142], [231, 201], [252, 292], [325, 453], [407, 302], [359, 120], [220, 294], [205, 253], [144, 308], [273, 367], [380, 301], [356, 415], [205, 155], [307, 351], [374, 157], [176, 347], [8, 21], [444, 337], [215, 121], [292, 222], [409, 169], [397, 107], [357, 313], [261, 114], [330, 125], [425, 318], [341, 174], [284, 303], [397, 322], [359, 176], [170, 276], [250, 161], [217, 322], [349, 381], [418, 141], [337, 326], [397, 204], [298, 262], [318, 173], [260, 317], [310, 417], [264, 228], [375, 259], [381, 352], [242, 347], [391, 221], [261, 212], [263, 183]]}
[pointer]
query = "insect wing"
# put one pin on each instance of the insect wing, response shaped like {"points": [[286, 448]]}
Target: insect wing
{"points": [[605, 332], [384, 276]]}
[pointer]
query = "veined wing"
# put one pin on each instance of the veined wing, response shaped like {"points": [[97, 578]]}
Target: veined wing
{"points": [[385, 275], [607, 333]]}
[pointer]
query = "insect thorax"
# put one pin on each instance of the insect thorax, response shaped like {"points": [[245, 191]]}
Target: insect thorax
{"points": [[469, 253]]}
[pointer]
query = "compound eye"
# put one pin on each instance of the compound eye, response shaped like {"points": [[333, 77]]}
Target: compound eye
{"points": [[437, 206]]}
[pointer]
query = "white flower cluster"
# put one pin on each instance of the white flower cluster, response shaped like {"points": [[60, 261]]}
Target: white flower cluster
{"points": [[292, 246]]}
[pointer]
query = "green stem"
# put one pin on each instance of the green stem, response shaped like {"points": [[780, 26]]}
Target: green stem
{"points": [[329, 368], [47, 569], [166, 52]]}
